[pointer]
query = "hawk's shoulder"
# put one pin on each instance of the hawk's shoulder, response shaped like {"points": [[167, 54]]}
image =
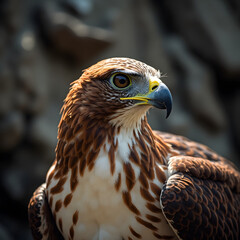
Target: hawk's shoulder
{"points": [[186, 147]]}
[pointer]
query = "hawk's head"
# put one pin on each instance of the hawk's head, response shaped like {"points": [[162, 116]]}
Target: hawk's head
{"points": [[118, 90]]}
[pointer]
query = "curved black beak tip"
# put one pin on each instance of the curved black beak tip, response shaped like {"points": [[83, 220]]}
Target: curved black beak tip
{"points": [[162, 98], [168, 107]]}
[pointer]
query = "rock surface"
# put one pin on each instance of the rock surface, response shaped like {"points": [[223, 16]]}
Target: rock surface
{"points": [[210, 30], [45, 45]]}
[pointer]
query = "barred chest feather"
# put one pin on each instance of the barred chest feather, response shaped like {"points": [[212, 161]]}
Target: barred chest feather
{"points": [[118, 198]]}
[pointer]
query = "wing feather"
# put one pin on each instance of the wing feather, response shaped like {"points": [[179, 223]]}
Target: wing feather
{"points": [[201, 208], [40, 217], [201, 198]]}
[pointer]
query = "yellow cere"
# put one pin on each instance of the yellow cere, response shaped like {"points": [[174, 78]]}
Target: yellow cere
{"points": [[153, 84]]}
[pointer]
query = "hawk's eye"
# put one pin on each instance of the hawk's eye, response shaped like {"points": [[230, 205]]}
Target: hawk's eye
{"points": [[120, 81]]}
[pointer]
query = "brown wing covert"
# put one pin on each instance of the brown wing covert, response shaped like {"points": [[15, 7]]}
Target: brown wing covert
{"points": [[201, 199]]}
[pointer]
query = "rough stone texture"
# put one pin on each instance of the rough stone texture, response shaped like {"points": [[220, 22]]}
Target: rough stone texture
{"points": [[235, 118], [44, 46], [68, 34], [210, 29], [6, 89], [198, 86], [11, 130], [4, 234]]}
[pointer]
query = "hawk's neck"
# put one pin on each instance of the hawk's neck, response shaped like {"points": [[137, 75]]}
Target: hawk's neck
{"points": [[81, 140]]}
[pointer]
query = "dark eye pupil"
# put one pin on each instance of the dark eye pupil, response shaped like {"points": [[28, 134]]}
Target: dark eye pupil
{"points": [[121, 81]]}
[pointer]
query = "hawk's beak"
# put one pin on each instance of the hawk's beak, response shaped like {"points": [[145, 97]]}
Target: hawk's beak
{"points": [[161, 98], [158, 96]]}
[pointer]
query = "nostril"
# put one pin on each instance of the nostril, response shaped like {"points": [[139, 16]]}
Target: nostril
{"points": [[154, 87]]}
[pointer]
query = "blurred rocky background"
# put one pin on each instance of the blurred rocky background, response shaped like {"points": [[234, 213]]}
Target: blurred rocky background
{"points": [[44, 46]]}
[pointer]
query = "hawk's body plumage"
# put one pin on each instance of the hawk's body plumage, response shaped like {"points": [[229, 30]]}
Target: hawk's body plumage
{"points": [[115, 178]]}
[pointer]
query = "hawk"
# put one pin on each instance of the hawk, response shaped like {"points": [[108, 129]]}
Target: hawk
{"points": [[116, 178]]}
